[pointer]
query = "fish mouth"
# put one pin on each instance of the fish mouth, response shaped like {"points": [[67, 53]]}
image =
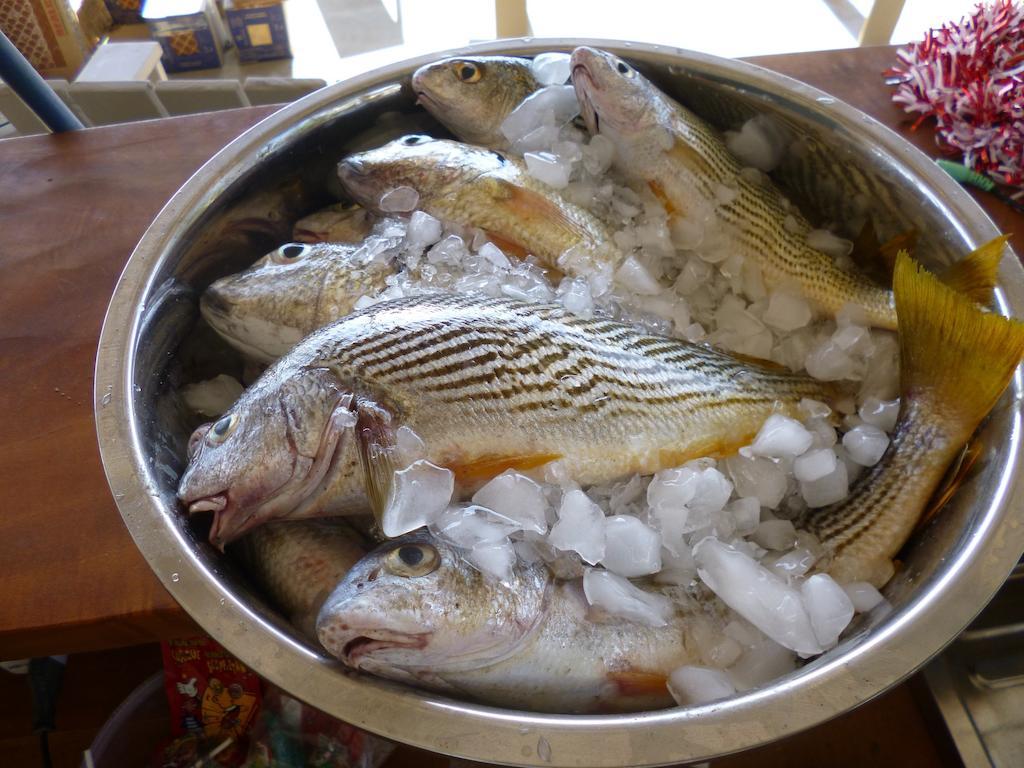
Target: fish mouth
{"points": [[371, 641], [213, 302], [215, 503], [584, 84]]}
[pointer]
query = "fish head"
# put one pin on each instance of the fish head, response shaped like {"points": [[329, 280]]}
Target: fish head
{"points": [[415, 607], [615, 99], [274, 450], [435, 168], [473, 95], [340, 223], [267, 309]]}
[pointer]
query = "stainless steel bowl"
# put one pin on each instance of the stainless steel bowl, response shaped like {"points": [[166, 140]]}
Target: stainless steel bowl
{"points": [[240, 204]]}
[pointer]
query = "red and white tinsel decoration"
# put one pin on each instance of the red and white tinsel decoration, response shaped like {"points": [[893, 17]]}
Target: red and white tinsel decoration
{"points": [[970, 78]]}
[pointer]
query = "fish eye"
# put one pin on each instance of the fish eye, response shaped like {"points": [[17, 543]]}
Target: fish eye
{"points": [[412, 560], [467, 71], [624, 68], [412, 141], [289, 253], [222, 429]]}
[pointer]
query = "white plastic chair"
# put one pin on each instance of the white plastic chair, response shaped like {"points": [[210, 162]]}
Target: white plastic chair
{"points": [[121, 102], [279, 90], [190, 97], [116, 62], [24, 119]]}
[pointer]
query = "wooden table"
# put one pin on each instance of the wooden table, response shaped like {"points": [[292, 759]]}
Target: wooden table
{"points": [[72, 209]]}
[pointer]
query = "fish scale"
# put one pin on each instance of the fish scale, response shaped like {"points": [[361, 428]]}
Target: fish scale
{"points": [[500, 356]]}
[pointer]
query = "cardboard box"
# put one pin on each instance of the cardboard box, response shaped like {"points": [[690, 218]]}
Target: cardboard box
{"points": [[189, 32], [125, 11], [258, 29], [47, 34]]}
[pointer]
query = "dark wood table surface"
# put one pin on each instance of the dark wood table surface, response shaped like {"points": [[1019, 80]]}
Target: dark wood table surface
{"points": [[72, 208]]}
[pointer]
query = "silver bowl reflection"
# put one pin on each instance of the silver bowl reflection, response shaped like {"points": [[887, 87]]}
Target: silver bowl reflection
{"points": [[241, 204]]}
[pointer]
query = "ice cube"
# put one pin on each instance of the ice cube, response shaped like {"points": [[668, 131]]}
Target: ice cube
{"points": [[550, 68], [880, 413], [760, 143], [762, 663], [552, 105], [815, 464], [548, 168], [827, 489], [851, 338], [863, 596], [699, 685], [713, 491], [794, 563], [830, 362], [518, 498], [746, 514], [787, 312], [631, 548], [213, 396], [781, 436], [410, 447], [672, 488], [626, 494], [865, 444], [576, 297], [420, 493], [494, 559], [466, 525], [756, 594], [399, 200], [677, 568], [539, 139], [829, 607], [598, 154], [757, 477], [826, 242], [619, 597], [775, 534], [637, 278], [580, 527], [814, 409], [493, 254], [423, 229], [823, 432]]}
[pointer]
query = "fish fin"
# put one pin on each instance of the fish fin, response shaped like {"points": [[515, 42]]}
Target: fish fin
{"points": [[761, 362], [887, 251], [526, 203], [879, 259], [690, 158], [468, 474], [953, 355], [508, 246], [659, 192], [377, 454], [636, 683], [975, 275], [955, 477]]}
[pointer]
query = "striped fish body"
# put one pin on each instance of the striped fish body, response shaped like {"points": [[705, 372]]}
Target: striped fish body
{"points": [[688, 167], [602, 397], [488, 385], [478, 188]]}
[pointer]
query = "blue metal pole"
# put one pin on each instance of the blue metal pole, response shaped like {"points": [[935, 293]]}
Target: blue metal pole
{"points": [[33, 90]]}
